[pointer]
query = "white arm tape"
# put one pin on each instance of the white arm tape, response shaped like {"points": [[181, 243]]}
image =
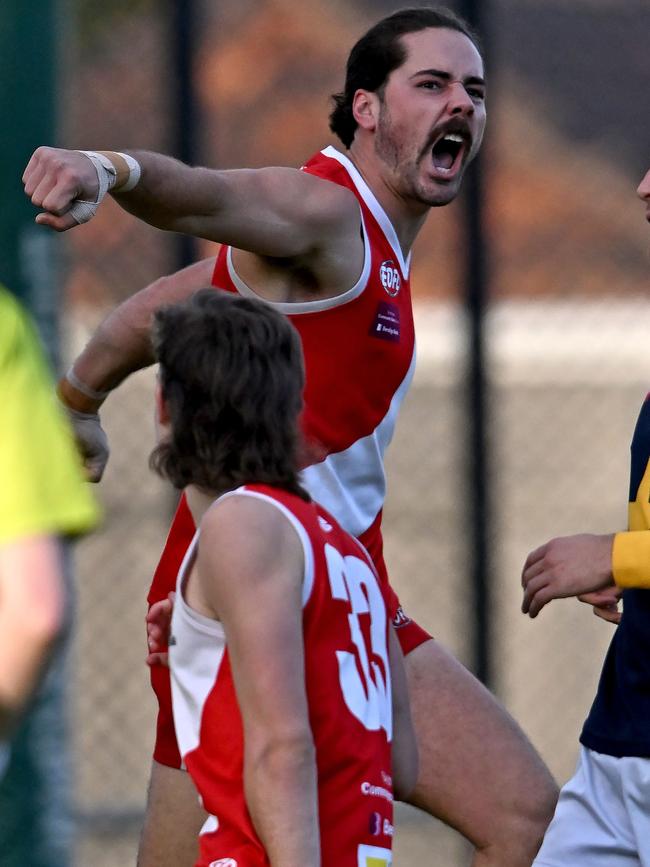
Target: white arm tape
{"points": [[135, 171], [83, 210], [74, 381]]}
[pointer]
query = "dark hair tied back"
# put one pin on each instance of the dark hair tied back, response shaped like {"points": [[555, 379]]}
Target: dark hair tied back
{"points": [[379, 52]]}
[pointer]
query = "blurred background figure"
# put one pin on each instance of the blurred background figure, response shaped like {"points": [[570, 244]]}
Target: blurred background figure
{"points": [[43, 499]]}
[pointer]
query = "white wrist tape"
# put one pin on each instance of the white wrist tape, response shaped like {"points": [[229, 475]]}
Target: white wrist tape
{"points": [[109, 176], [74, 380], [135, 170]]}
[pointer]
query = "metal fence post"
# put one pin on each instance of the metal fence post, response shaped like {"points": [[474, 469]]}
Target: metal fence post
{"points": [[478, 457], [184, 109]]}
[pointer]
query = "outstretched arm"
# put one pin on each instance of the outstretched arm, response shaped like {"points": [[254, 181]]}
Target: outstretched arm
{"points": [[277, 212], [120, 346]]}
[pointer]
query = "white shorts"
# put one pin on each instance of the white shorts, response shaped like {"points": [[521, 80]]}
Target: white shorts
{"points": [[602, 818]]}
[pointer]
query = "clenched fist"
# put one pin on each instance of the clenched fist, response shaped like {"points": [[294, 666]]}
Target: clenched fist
{"points": [[59, 182]]}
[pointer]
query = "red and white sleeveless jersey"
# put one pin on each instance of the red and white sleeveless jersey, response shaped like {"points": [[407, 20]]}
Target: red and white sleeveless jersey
{"points": [[359, 351], [345, 628]]}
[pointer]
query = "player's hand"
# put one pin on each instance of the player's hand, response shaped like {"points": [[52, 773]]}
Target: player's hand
{"points": [[91, 440], [54, 180], [567, 566], [158, 620], [605, 603]]}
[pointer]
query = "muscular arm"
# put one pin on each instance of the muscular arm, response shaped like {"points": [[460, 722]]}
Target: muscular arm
{"points": [[278, 212], [122, 343], [274, 212], [250, 567], [31, 613]]}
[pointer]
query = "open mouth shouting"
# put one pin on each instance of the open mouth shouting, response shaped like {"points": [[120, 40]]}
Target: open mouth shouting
{"points": [[449, 153]]}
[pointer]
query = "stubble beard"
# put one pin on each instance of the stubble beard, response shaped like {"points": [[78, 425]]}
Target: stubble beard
{"points": [[386, 143], [406, 168]]}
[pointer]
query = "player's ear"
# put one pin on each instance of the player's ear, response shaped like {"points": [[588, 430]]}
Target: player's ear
{"points": [[365, 109]]}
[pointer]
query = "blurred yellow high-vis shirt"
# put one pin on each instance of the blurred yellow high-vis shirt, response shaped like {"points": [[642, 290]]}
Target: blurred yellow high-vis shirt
{"points": [[42, 489]]}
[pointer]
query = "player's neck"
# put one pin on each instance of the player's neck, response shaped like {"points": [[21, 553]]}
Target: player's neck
{"points": [[406, 219], [199, 501]]}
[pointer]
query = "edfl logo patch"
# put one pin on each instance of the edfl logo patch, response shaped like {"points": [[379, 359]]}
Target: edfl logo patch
{"points": [[390, 278]]}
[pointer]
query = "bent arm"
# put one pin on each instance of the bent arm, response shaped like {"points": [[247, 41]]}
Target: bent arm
{"points": [[566, 566], [585, 564], [251, 568], [31, 615], [121, 344]]}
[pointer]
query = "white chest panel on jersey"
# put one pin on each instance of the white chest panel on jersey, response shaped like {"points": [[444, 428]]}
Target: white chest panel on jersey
{"points": [[352, 484]]}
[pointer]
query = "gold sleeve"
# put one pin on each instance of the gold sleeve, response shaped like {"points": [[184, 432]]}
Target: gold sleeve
{"points": [[631, 559]]}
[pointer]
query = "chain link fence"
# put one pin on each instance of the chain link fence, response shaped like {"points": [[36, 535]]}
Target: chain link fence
{"points": [[566, 334]]}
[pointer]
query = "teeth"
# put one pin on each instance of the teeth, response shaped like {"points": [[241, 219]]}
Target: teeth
{"points": [[452, 136]]}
